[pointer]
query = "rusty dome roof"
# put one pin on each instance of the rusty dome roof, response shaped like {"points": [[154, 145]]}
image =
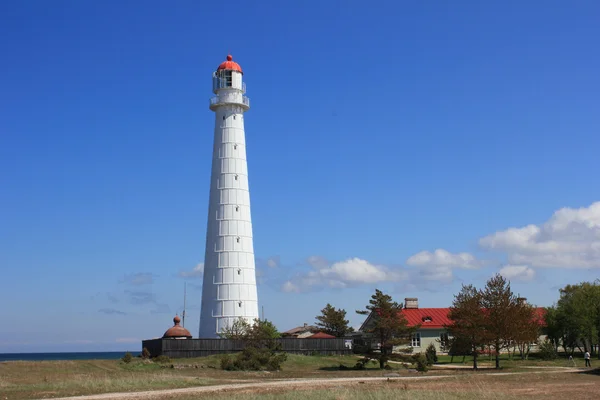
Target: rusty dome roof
{"points": [[177, 331], [230, 65]]}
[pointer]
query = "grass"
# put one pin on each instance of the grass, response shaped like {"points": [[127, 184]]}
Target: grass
{"points": [[22, 380]]}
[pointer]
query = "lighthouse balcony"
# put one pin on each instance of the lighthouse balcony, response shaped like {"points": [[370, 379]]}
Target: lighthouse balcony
{"points": [[230, 98]]}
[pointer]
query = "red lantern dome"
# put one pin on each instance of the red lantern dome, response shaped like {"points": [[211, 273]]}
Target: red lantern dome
{"points": [[230, 65]]}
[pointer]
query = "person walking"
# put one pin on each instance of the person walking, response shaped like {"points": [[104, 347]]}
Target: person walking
{"points": [[586, 357]]}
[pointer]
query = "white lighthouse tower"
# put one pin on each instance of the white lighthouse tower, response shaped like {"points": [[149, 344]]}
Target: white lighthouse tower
{"points": [[229, 286]]}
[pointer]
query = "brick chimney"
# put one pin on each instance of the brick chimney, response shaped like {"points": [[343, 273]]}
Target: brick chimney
{"points": [[411, 302]]}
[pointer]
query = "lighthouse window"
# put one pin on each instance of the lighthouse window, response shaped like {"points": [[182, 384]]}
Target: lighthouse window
{"points": [[237, 239], [236, 177], [240, 303], [234, 117], [235, 146], [237, 208], [239, 271]]}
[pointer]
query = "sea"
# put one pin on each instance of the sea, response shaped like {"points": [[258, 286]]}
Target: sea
{"points": [[110, 355]]}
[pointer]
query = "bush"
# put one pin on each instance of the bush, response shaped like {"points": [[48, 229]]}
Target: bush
{"points": [[254, 359], [127, 358], [431, 354], [547, 350], [421, 362], [162, 359], [145, 353]]}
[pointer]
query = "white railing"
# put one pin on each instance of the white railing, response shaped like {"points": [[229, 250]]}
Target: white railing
{"points": [[215, 100]]}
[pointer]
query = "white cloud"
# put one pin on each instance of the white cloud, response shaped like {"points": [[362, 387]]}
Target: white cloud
{"points": [[441, 257], [351, 272], [197, 271], [439, 265], [517, 273], [569, 239], [273, 262], [317, 262]]}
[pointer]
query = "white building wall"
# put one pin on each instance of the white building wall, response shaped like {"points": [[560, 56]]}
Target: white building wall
{"points": [[229, 285]]}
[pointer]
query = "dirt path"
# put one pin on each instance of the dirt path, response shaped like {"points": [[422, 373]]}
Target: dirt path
{"points": [[287, 383]]}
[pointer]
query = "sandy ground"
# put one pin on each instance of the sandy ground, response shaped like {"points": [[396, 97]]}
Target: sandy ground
{"points": [[289, 384]]}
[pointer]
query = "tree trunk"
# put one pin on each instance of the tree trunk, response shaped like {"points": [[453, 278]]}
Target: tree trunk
{"points": [[475, 360], [497, 355]]}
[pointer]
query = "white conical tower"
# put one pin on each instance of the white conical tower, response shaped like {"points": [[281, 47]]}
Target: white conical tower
{"points": [[229, 286]]}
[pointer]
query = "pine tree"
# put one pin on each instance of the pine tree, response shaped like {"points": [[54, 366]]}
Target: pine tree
{"points": [[333, 322], [502, 314], [389, 326], [468, 322]]}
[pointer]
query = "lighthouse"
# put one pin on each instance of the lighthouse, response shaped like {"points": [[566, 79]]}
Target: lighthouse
{"points": [[229, 283]]}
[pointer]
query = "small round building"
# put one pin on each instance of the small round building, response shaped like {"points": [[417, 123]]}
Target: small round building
{"points": [[177, 331]]}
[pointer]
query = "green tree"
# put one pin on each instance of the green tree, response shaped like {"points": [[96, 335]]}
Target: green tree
{"points": [[578, 316], [431, 354], [334, 322], [501, 307], [388, 326], [468, 323]]}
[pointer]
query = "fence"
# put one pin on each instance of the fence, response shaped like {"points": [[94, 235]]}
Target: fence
{"points": [[187, 348]]}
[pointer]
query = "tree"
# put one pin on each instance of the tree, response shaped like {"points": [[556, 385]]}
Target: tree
{"points": [[578, 316], [333, 322], [431, 354], [389, 326], [505, 314], [526, 328], [238, 330], [467, 327], [261, 351]]}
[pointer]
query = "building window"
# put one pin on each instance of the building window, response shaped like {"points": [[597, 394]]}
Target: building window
{"points": [[239, 271], [236, 177], [237, 208], [240, 303], [238, 239], [416, 340], [234, 117], [235, 146]]}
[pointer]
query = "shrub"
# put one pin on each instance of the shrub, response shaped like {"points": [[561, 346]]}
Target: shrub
{"points": [[431, 354], [254, 359], [547, 350], [127, 358], [145, 353], [421, 362], [162, 359]]}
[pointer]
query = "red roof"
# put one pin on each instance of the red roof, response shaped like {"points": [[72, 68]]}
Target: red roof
{"points": [[427, 317], [321, 335], [230, 65], [436, 318]]}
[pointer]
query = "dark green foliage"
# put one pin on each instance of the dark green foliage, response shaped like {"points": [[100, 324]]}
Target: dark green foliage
{"points": [[575, 320], [145, 353], [421, 362], [162, 359], [431, 354], [334, 322], [261, 351], [253, 359], [389, 327], [547, 350], [127, 358]]}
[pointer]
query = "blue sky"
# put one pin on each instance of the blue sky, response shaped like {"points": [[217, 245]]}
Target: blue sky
{"points": [[379, 133]]}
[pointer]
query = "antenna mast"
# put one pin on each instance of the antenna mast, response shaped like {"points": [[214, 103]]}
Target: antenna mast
{"points": [[183, 314]]}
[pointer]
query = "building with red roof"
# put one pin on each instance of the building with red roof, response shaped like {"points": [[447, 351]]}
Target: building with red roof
{"points": [[432, 323]]}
